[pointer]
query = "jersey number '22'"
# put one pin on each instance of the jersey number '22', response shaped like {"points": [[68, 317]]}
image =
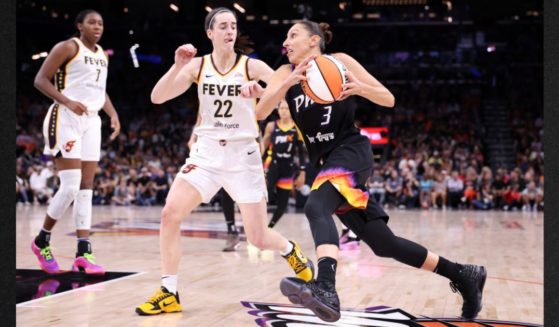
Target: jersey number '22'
{"points": [[220, 104]]}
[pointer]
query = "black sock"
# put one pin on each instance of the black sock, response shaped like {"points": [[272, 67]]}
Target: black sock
{"points": [[327, 269], [43, 239], [231, 228], [447, 269], [84, 246]]}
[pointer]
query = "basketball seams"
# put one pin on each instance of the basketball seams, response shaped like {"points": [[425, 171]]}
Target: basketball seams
{"points": [[329, 81], [324, 88], [324, 78]]}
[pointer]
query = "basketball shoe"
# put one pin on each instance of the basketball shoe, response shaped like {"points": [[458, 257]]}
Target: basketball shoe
{"points": [[161, 301], [470, 285], [232, 242], [319, 297], [303, 267], [46, 260], [86, 264]]}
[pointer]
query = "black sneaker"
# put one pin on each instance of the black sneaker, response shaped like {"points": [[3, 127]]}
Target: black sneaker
{"points": [[470, 284], [321, 298]]}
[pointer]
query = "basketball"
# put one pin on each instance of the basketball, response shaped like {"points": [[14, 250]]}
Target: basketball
{"points": [[325, 79]]}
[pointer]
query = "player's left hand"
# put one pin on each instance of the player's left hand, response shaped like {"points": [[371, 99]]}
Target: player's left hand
{"points": [[251, 89], [115, 125], [353, 86], [300, 180]]}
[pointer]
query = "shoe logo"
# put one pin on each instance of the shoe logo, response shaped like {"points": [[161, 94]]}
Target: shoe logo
{"points": [[251, 152], [166, 304]]}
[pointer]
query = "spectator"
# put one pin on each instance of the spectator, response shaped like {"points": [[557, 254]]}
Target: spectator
{"points": [[532, 197], [455, 188], [426, 187], [439, 190], [376, 186], [394, 188]]}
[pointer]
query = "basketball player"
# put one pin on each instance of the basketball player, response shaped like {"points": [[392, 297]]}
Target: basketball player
{"points": [[282, 141], [228, 207], [225, 154], [345, 162], [72, 131]]}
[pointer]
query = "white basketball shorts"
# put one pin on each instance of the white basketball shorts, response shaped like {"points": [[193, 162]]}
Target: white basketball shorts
{"points": [[72, 136], [234, 165]]}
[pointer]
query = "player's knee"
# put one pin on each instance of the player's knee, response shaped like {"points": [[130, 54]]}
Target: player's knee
{"points": [[170, 216], [313, 210], [69, 188]]}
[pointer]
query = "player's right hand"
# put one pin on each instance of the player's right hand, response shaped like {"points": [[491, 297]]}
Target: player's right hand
{"points": [[184, 54], [77, 107], [299, 73]]}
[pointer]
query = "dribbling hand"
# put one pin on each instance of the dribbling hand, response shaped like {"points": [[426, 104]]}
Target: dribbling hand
{"points": [[77, 107], [251, 89], [184, 54]]}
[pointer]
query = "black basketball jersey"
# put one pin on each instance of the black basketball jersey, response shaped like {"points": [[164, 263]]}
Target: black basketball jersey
{"points": [[323, 126], [283, 142]]}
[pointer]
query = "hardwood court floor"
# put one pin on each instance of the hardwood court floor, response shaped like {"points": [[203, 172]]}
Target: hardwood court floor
{"points": [[212, 283]]}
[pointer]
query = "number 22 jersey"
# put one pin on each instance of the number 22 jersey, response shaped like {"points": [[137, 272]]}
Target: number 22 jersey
{"points": [[225, 114]]}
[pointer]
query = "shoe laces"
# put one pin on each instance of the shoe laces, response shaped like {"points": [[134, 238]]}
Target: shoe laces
{"points": [[159, 296], [296, 263], [46, 253], [89, 257]]}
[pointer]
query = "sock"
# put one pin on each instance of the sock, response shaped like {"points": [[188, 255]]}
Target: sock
{"points": [[271, 224], [43, 238], [231, 228], [170, 283], [288, 249], [327, 270], [447, 269], [84, 246]]}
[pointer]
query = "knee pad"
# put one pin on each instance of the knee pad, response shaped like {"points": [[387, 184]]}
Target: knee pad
{"points": [[82, 209], [70, 180]]}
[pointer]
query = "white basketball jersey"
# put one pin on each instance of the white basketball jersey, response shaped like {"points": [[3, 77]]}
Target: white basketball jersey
{"points": [[224, 113], [84, 77]]}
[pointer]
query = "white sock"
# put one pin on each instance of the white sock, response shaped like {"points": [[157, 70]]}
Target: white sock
{"points": [[169, 282], [352, 234], [288, 249]]}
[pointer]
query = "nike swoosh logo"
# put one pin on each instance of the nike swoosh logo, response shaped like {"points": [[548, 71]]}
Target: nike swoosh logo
{"points": [[166, 304], [251, 152], [209, 76]]}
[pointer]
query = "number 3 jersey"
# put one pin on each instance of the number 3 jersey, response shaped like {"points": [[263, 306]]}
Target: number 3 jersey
{"points": [[83, 78], [225, 114], [323, 126]]}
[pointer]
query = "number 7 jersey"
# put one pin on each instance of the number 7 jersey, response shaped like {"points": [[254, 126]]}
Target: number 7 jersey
{"points": [[225, 114]]}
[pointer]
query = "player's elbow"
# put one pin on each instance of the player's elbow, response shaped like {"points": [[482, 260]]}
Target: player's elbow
{"points": [[390, 100], [156, 99]]}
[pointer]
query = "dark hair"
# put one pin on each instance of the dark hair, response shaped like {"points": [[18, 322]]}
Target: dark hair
{"points": [[243, 43], [320, 29], [80, 17]]}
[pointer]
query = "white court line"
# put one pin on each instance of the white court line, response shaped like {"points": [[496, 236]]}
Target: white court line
{"points": [[26, 304]]}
